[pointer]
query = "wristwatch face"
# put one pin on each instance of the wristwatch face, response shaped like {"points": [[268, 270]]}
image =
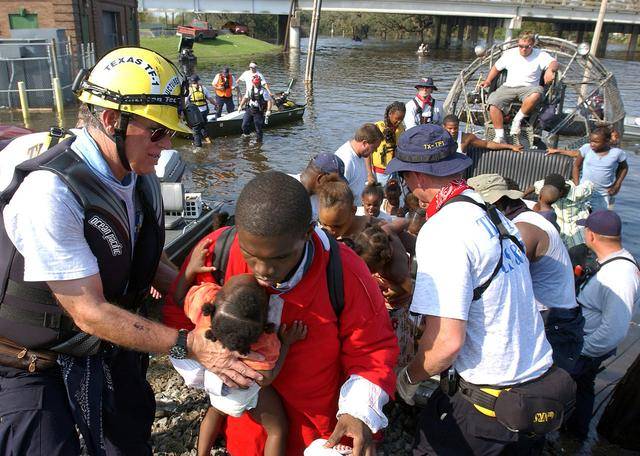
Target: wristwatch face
{"points": [[179, 350]]}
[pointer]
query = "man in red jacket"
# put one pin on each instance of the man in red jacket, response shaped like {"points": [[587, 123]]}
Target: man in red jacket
{"points": [[335, 382]]}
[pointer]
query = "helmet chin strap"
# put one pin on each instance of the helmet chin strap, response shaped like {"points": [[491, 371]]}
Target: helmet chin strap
{"points": [[119, 136]]}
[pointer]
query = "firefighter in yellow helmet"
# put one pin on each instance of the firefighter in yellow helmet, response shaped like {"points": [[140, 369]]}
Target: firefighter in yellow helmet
{"points": [[81, 240]]}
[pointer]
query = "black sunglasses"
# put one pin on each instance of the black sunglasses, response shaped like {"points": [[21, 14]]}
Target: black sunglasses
{"points": [[525, 46], [159, 133]]}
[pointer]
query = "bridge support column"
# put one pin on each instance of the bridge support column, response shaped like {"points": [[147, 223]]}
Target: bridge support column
{"points": [[462, 25], [282, 28], [510, 25], [294, 31], [473, 33], [447, 33], [633, 42], [491, 30], [437, 22], [602, 45], [580, 35]]}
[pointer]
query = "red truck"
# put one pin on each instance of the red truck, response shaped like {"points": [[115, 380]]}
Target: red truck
{"points": [[198, 30]]}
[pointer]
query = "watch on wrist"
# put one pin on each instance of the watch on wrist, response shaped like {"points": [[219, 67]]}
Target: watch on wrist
{"points": [[179, 350]]}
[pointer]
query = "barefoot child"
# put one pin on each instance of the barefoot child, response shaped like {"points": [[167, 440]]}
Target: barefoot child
{"points": [[236, 316]]}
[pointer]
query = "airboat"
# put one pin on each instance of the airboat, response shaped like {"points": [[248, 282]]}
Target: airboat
{"points": [[583, 96]]}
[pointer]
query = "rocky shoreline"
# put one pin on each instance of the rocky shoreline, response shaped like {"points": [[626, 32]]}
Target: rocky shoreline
{"points": [[180, 409]]}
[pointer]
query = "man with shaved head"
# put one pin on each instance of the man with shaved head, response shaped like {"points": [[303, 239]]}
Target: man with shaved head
{"points": [[344, 367]]}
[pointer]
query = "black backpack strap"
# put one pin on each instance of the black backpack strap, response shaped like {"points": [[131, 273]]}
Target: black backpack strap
{"points": [[335, 279], [221, 253], [593, 272], [503, 234]]}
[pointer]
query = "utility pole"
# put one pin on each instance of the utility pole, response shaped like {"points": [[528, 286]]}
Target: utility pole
{"points": [[313, 40], [598, 30]]}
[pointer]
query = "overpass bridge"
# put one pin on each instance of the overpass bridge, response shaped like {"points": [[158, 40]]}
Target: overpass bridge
{"points": [[623, 16]]}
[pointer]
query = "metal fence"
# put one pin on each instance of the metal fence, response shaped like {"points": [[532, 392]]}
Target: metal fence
{"points": [[36, 62]]}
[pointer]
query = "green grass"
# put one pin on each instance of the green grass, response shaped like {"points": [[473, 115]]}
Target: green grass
{"points": [[224, 47]]}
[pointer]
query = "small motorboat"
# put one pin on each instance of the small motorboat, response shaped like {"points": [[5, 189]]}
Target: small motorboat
{"points": [[284, 111]]}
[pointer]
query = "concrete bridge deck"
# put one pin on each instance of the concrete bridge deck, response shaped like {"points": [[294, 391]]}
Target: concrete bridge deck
{"points": [[618, 11]]}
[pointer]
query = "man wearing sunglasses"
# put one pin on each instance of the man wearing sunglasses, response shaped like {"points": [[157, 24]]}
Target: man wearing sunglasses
{"points": [[81, 240], [524, 66]]}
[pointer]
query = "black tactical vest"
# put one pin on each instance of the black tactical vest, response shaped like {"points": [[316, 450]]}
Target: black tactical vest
{"points": [[29, 313]]}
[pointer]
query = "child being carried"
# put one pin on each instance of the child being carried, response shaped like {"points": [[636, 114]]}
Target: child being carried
{"points": [[236, 316]]}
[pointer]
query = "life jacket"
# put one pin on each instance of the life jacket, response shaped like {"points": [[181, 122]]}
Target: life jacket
{"points": [[420, 119], [197, 96], [223, 86], [29, 313], [257, 103]]}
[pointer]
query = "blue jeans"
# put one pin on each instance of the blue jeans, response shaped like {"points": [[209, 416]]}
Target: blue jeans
{"points": [[253, 117], [564, 330], [35, 417], [584, 374], [224, 101]]}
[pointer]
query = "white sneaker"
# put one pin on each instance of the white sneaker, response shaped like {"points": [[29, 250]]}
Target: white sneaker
{"points": [[515, 128], [498, 139]]}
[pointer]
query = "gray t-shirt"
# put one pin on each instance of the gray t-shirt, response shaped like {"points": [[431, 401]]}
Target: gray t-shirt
{"points": [[46, 223], [457, 250]]}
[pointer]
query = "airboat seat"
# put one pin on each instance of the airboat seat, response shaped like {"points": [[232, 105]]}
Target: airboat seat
{"points": [[524, 168]]}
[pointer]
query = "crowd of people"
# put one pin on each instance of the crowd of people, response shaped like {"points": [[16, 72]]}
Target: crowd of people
{"points": [[337, 290]]}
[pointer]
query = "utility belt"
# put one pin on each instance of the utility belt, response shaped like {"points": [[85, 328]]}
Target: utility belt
{"points": [[13, 355], [534, 407]]}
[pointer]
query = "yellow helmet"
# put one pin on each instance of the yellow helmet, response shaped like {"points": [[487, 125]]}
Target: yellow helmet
{"points": [[138, 81]]}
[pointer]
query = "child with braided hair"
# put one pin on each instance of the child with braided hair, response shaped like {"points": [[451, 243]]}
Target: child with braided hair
{"points": [[236, 316], [388, 262], [391, 128]]}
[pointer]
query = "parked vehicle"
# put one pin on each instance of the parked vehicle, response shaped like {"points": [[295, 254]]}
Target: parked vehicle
{"points": [[198, 30], [236, 28]]}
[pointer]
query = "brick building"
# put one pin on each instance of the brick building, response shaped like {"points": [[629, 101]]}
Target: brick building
{"points": [[107, 23]]}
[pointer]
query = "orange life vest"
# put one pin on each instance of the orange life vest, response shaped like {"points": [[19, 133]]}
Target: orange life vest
{"points": [[224, 85]]}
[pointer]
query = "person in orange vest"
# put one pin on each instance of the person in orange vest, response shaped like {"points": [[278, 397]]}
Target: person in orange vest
{"points": [[224, 83]]}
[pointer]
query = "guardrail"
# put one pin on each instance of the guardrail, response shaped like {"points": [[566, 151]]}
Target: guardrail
{"points": [[612, 5]]}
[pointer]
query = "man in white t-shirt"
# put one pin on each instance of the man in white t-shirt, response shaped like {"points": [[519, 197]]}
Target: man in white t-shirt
{"points": [[550, 267], [247, 78], [314, 174], [474, 289], [353, 153], [524, 66], [608, 299]]}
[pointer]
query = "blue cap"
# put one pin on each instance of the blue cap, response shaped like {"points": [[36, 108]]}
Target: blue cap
{"points": [[194, 78], [428, 149], [328, 163], [603, 222], [426, 82]]}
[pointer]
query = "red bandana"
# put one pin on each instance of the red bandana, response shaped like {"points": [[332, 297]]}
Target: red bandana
{"points": [[426, 100], [453, 189]]}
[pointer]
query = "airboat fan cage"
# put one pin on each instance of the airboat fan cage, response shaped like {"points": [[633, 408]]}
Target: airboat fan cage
{"points": [[583, 96]]}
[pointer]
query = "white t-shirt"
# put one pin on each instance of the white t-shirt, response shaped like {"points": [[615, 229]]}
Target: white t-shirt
{"points": [[355, 170], [381, 215], [551, 275], [523, 71], [608, 301], [46, 223], [313, 198], [247, 77], [457, 250], [412, 117]]}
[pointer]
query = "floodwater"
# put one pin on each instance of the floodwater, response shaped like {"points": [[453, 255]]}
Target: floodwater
{"points": [[354, 82]]}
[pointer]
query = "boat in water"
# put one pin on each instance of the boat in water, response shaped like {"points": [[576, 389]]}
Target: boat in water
{"points": [[284, 111], [632, 127], [583, 96]]}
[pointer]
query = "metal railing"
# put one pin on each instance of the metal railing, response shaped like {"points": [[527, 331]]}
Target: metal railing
{"points": [[38, 64], [592, 5]]}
